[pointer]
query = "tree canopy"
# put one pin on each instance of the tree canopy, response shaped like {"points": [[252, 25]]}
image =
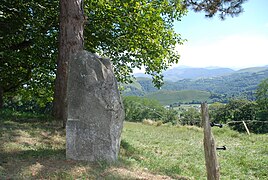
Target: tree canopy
{"points": [[28, 46], [134, 34], [131, 33], [212, 7]]}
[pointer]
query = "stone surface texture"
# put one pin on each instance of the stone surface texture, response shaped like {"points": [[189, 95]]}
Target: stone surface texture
{"points": [[95, 110]]}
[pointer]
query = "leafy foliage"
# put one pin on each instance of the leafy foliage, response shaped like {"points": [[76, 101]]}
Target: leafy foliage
{"points": [[238, 110], [28, 48], [191, 117], [223, 7], [134, 34], [216, 112], [131, 33], [138, 109]]}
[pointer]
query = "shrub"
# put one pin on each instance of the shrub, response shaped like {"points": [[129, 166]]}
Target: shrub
{"points": [[191, 117], [138, 108], [238, 110]]}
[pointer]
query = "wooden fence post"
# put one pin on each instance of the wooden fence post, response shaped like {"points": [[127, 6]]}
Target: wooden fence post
{"points": [[212, 165], [246, 127]]}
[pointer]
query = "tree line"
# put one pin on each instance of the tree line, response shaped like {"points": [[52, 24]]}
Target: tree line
{"points": [[232, 113]]}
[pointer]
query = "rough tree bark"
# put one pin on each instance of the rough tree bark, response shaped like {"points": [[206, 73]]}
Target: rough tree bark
{"points": [[70, 41]]}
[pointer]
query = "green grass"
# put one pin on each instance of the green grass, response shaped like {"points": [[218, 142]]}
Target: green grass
{"points": [[36, 150], [169, 97], [179, 150]]}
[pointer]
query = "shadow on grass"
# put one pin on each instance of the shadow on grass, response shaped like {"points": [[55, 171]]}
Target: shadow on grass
{"points": [[49, 163], [23, 120], [26, 152], [34, 154], [43, 159], [52, 163]]}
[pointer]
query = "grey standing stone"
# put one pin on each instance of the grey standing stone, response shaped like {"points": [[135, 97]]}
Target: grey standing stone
{"points": [[95, 110]]}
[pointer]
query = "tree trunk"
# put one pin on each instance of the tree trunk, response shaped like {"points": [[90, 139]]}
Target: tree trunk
{"points": [[70, 42], [1, 97]]}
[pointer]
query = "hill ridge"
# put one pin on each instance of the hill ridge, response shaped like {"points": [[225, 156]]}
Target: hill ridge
{"points": [[240, 84]]}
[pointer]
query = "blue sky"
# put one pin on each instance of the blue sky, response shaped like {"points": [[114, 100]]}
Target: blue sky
{"points": [[237, 42]]}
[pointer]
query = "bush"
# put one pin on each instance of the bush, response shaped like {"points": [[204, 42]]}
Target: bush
{"points": [[170, 115], [20, 116], [253, 126], [236, 111], [28, 104], [191, 117], [137, 109]]}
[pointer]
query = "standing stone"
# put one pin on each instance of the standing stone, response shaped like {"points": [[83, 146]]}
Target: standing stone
{"points": [[95, 110]]}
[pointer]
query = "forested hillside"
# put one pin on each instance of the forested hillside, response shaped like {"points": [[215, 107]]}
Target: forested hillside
{"points": [[167, 97], [241, 83]]}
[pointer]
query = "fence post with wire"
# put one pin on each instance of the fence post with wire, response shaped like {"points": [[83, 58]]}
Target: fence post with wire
{"points": [[212, 165]]}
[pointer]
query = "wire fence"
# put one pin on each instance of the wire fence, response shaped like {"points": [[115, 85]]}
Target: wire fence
{"points": [[247, 121], [254, 126]]}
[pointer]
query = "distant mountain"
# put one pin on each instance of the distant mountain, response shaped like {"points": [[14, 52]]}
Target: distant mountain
{"points": [[241, 83], [252, 69], [185, 72], [176, 74], [141, 75]]}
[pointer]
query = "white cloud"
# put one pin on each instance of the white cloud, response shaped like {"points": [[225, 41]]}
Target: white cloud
{"points": [[232, 51]]}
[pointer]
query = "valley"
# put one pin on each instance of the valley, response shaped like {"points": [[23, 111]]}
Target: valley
{"points": [[204, 84]]}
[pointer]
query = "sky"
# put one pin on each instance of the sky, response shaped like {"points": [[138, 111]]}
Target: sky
{"points": [[238, 42]]}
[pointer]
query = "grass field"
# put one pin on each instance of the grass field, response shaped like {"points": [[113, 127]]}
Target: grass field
{"points": [[34, 149]]}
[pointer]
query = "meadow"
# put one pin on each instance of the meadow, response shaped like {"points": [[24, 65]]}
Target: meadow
{"points": [[34, 148]]}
